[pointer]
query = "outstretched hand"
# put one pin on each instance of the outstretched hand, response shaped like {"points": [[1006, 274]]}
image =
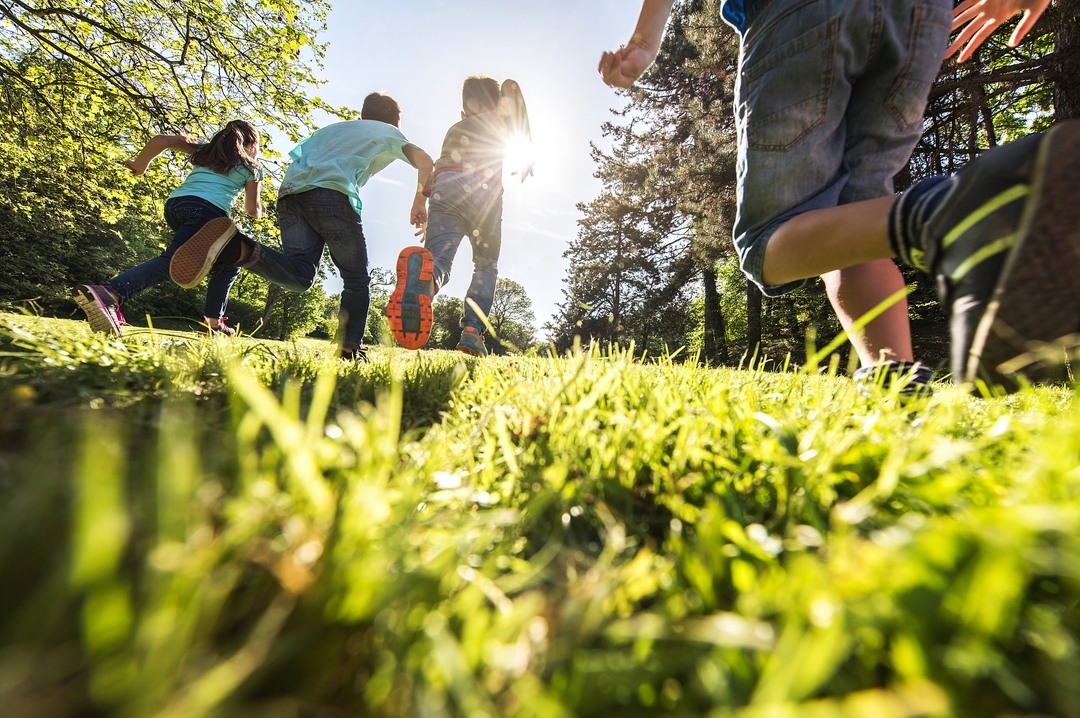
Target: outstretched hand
{"points": [[135, 169], [981, 18], [624, 66]]}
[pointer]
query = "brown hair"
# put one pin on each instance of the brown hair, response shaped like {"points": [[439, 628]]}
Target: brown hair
{"points": [[479, 94], [383, 108], [227, 150]]}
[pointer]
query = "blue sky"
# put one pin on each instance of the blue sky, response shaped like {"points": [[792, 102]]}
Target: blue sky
{"points": [[421, 51]]}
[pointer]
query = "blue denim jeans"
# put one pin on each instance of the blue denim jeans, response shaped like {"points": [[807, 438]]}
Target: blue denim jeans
{"points": [[464, 204], [185, 216], [829, 104], [308, 221]]}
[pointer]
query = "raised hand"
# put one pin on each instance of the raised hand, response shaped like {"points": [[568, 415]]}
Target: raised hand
{"points": [[979, 19], [624, 66]]}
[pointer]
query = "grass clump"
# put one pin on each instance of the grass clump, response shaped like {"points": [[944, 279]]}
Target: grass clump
{"points": [[522, 536]]}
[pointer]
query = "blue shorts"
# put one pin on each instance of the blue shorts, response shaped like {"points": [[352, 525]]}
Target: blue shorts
{"points": [[829, 104]]}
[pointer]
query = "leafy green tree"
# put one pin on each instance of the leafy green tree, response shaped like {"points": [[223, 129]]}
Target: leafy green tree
{"points": [[378, 327], [664, 215], [445, 323], [180, 65], [512, 318], [296, 314]]}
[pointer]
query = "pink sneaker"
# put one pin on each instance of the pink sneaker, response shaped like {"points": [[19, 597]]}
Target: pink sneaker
{"points": [[100, 308]]}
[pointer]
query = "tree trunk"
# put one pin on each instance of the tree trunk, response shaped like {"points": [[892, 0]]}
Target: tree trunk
{"points": [[753, 320], [616, 304], [272, 296], [1067, 49], [715, 341]]}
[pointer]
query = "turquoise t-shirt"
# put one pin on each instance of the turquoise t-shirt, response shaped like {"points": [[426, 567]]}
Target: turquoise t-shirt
{"points": [[343, 157], [218, 189]]}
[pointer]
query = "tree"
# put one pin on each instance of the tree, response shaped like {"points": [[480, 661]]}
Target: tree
{"points": [[297, 314], [663, 219], [445, 323], [512, 318], [170, 64]]}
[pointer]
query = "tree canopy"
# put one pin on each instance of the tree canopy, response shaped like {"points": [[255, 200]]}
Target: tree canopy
{"points": [[84, 85]]}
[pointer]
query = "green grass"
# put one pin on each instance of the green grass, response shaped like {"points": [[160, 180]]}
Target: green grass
{"points": [[237, 528]]}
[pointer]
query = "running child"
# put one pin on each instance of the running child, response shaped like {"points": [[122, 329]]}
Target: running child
{"points": [[223, 167], [829, 105], [465, 200], [319, 206]]}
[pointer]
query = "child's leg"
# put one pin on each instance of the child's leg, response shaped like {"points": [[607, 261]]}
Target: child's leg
{"points": [[348, 251], [185, 216], [296, 265], [1002, 239], [446, 224], [217, 292], [486, 244], [857, 290], [864, 94]]}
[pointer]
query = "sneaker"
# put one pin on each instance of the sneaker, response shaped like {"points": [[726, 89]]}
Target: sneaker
{"points": [[354, 353], [1005, 248], [409, 308], [197, 256], [911, 378], [100, 308], [472, 342], [210, 327]]}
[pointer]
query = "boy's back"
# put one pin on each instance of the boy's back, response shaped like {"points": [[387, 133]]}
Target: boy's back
{"points": [[477, 144], [343, 157]]}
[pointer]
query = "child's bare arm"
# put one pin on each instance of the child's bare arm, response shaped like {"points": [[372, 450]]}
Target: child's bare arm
{"points": [[155, 146], [252, 202], [622, 67], [981, 18], [424, 165]]}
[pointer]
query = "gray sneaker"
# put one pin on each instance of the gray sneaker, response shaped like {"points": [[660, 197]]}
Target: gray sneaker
{"points": [[472, 342], [1004, 246], [101, 310]]}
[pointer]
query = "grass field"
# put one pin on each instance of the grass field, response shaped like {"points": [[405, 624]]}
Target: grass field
{"points": [[193, 527]]}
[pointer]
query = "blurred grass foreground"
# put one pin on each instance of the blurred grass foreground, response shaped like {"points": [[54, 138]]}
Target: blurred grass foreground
{"points": [[194, 527]]}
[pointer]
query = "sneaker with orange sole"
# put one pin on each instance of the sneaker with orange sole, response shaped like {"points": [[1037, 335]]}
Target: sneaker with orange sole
{"points": [[409, 308], [196, 257]]}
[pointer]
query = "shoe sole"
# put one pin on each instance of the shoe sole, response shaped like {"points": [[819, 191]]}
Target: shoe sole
{"points": [[466, 349], [195, 257], [1033, 317], [97, 315], [409, 308]]}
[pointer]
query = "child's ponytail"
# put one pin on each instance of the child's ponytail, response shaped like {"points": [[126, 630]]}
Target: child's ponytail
{"points": [[228, 149], [512, 107]]}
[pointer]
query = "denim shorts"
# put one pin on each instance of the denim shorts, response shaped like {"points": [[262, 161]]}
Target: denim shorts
{"points": [[829, 104]]}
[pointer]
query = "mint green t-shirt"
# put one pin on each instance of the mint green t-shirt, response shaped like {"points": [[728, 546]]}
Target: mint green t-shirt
{"points": [[218, 189], [343, 157]]}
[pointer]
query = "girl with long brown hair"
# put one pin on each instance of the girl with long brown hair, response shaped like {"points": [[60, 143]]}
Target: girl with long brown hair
{"points": [[223, 167]]}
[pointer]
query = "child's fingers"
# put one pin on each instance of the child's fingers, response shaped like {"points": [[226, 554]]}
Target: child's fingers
{"points": [[1031, 17], [966, 11], [964, 41], [605, 63], [980, 37]]}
